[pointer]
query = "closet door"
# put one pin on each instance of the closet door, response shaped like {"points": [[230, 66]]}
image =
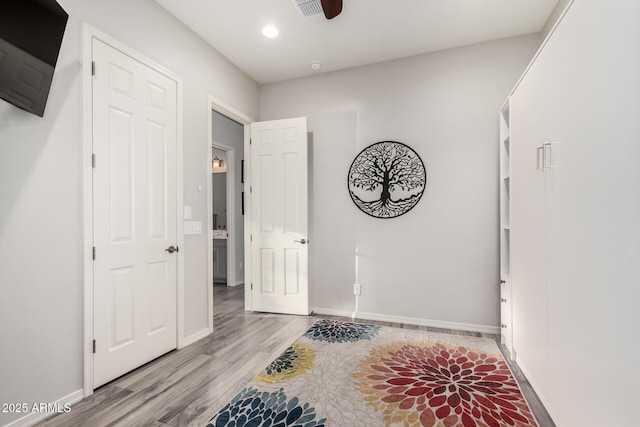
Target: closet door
{"points": [[593, 116], [528, 223]]}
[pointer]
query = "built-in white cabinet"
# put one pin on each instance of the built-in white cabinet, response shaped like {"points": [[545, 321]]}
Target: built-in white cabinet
{"points": [[574, 245], [505, 229]]}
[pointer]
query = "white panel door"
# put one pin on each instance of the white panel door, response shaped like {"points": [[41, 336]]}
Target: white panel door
{"points": [[529, 221], [134, 205], [279, 230]]}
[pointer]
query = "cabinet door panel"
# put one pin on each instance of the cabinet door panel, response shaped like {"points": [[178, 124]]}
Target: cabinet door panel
{"points": [[528, 224], [593, 200]]}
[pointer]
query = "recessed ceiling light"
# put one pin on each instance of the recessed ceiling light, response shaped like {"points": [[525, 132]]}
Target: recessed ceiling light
{"points": [[270, 31]]}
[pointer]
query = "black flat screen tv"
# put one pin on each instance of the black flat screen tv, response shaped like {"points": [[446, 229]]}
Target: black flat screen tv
{"points": [[31, 33]]}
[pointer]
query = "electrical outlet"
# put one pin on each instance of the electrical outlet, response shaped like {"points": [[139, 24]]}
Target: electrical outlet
{"points": [[240, 265], [356, 289]]}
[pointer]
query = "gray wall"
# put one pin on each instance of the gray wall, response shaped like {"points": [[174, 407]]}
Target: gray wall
{"points": [[230, 133], [439, 262], [41, 243]]}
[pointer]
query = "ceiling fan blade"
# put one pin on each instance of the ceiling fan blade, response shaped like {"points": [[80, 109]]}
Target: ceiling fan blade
{"points": [[331, 8]]}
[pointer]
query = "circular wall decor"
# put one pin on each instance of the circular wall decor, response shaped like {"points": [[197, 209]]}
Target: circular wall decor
{"points": [[387, 179]]}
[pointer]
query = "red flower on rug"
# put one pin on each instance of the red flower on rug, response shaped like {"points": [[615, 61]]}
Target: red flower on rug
{"points": [[436, 384]]}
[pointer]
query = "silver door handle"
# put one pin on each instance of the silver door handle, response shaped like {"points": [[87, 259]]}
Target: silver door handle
{"points": [[303, 241]]}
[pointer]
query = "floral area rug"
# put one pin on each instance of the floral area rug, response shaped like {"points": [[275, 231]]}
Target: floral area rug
{"points": [[346, 374]]}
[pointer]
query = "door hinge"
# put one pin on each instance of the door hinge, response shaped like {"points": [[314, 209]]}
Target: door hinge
{"points": [[93, 160], [252, 286], [250, 141], [94, 346], [94, 253], [251, 189], [93, 68], [251, 237]]}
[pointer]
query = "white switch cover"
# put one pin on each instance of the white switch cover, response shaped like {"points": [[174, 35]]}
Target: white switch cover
{"points": [[187, 212], [357, 289], [193, 227]]}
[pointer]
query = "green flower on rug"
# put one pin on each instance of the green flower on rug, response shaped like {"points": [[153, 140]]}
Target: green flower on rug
{"points": [[295, 360], [334, 331], [253, 408]]}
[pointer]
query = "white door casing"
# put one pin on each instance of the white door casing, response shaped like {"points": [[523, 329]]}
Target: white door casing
{"points": [[279, 225], [228, 111], [135, 130]]}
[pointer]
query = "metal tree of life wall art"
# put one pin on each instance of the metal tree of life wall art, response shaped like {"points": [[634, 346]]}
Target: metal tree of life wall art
{"points": [[387, 179]]}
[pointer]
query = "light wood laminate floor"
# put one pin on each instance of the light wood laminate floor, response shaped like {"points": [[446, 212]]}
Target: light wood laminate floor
{"points": [[187, 387]]}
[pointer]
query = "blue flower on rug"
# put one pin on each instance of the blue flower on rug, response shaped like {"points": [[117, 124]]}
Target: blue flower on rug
{"points": [[253, 408], [283, 363], [334, 331], [296, 360]]}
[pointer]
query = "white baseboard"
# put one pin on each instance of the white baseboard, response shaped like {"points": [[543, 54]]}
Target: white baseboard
{"points": [[238, 283], [331, 312], [35, 417], [409, 320], [196, 337]]}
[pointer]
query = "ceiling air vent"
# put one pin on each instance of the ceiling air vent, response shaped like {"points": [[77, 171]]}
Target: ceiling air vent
{"points": [[309, 8]]}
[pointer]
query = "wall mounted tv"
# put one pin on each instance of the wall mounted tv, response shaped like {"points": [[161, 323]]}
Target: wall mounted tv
{"points": [[30, 37]]}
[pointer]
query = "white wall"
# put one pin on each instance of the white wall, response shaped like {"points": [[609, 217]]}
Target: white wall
{"points": [[41, 307], [555, 16], [439, 262], [230, 133]]}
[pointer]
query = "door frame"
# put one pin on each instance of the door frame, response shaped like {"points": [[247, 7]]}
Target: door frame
{"points": [[221, 107], [89, 33]]}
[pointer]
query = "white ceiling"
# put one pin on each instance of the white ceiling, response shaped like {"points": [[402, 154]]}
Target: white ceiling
{"points": [[366, 32]]}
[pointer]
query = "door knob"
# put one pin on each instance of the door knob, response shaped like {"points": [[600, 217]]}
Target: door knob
{"points": [[171, 249], [303, 241]]}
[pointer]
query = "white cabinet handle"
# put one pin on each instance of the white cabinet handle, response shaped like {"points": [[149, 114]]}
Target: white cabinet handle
{"points": [[543, 157], [540, 158], [546, 155]]}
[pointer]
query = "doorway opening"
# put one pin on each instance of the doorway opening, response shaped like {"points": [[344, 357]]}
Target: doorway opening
{"points": [[223, 213], [225, 220]]}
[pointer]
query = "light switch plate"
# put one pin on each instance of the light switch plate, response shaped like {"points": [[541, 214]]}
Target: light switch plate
{"points": [[187, 212], [193, 227]]}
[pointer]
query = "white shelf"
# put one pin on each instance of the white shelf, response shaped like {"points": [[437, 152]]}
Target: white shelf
{"points": [[505, 228]]}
